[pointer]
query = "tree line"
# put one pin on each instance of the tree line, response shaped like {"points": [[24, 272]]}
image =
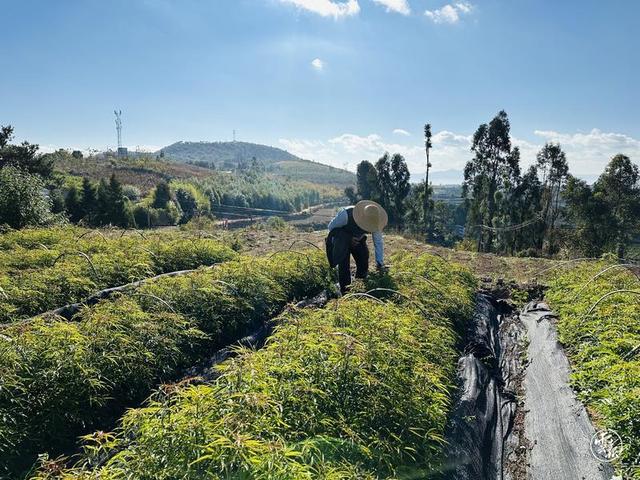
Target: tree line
{"points": [[33, 194], [541, 211]]}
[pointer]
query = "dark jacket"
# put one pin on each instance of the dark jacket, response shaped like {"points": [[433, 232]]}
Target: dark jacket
{"points": [[338, 242]]}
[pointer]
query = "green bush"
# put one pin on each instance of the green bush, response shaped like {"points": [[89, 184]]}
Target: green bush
{"points": [[23, 202], [605, 372], [39, 271], [189, 253], [61, 379], [356, 390]]}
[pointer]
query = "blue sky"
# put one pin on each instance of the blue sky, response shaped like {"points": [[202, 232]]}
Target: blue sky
{"points": [[334, 81]]}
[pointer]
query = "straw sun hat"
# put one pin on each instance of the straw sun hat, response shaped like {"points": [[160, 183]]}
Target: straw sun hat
{"points": [[370, 216]]}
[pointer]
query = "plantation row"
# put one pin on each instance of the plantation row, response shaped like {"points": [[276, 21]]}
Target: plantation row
{"points": [[60, 379], [359, 389], [603, 343], [44, 269]]}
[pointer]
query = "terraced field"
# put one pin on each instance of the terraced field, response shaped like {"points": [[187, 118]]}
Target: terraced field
{"points": [[148, 381]]}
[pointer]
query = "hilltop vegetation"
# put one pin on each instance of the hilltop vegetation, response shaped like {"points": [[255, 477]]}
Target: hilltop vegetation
{"points": [[234, 155], [144, 192], [143, 172]]}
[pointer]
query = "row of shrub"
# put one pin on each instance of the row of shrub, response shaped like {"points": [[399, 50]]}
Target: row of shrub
{"points": [[356, 390], [34, 280], [64, 378], [603, 344]]}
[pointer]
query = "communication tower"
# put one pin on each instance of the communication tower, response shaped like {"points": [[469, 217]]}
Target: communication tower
{"points": [[122, 151]]}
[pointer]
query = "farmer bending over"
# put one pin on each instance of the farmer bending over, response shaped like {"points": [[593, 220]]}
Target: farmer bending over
{"points": [[347, 236]]}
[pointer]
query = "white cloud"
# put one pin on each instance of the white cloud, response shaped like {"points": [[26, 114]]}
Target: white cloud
{"points": [[400, 131], [318, 64], [587, 153], [590, 152], [327, 8], [450, 13], [398, 6]]}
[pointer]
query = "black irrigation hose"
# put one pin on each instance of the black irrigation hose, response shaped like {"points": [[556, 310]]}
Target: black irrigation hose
{"points": [[563, 263]]}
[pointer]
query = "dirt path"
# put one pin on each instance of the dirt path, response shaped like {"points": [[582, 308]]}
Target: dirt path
{"points": [[556, 423]]}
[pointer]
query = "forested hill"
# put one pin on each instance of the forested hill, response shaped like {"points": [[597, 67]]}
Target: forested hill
{"points": [[230, 155]]}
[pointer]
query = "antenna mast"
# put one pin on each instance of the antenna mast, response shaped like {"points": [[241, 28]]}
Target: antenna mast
{"points": [[122, 152], [118, 114]]}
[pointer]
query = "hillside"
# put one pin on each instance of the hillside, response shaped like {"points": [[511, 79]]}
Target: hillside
{"points": [[228, 155], [144, 173]]}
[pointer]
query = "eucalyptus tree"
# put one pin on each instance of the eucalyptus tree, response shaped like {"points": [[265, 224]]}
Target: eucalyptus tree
{"points": [[552, 164], [606, 216], [400, 186], [383, 175], [493, 169], [619, 188], [427, 192], [367, 180]]}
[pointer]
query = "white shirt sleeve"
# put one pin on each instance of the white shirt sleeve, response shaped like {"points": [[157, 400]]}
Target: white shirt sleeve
{"points": [[378, 244], [340, 220]]}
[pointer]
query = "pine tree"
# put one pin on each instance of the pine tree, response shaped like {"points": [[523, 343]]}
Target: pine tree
{"points": [[88, 202], [119, 211], [73, 204], [161, 195]]}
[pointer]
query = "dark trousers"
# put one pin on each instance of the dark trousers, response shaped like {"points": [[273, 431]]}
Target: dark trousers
{"points": [[341, 245]]}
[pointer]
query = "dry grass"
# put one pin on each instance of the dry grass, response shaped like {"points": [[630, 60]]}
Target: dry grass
{"points": [[484, 265]]}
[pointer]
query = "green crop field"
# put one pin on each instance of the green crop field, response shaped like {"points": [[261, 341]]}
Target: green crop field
{"points": [[121, 385], [44, 269], [600, 327], [61, 378], [357, 389]]}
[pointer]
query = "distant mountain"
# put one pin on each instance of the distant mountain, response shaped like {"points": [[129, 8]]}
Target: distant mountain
{"points": [[229, 155], [456, 177]]}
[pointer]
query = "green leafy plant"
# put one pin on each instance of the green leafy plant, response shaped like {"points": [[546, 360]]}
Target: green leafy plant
{"points": [[602, 335], [41, 269], [60, 379], [360, 389]]}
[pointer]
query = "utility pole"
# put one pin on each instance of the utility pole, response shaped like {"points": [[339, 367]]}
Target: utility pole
{"points": [[427, 147]]}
